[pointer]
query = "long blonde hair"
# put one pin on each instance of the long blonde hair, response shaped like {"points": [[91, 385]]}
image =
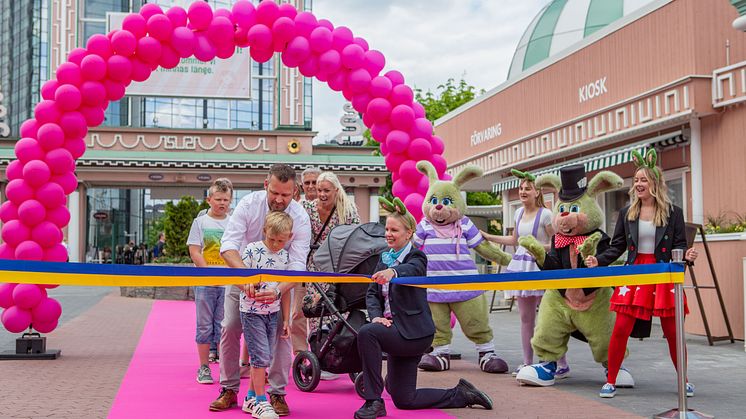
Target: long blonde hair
{"points": [[345, 205], [539, 201], [659, 192]]}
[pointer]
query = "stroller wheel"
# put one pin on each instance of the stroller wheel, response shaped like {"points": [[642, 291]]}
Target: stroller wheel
{"points": [[353, 376], [359, 386], [306, 371]]}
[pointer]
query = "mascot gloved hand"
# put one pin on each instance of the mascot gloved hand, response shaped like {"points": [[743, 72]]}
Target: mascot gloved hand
{"points": [[445, 234], [577, 219]]}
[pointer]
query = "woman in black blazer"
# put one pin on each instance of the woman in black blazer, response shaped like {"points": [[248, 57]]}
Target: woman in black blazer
{"points": [[649, 229], [402, 326]]}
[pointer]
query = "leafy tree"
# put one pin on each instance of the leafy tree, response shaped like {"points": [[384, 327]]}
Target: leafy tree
{"points": [[176, 224], [482, 198]]}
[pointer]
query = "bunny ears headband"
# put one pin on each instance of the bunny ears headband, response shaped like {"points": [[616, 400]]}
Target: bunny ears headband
{"points": [[523, 175], [397, 206], [649, 161]]}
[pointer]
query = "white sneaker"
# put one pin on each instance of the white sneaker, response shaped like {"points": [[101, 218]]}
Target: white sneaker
{"points": [[264, 410], [624, 379], [248, 404], [328, 376]]}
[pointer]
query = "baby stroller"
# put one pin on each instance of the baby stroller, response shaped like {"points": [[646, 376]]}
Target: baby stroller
{"points": [[350, 249]]}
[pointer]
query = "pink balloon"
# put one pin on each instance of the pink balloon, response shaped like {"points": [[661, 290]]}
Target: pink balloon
{"points": [[380, 87], [6, 295], [325, 23], [396, 77], [321, 39], [177, 16], [46, 234], [45, 327], [60, 216], [394, 162], [76, 147], [305, 23], [401, 95], [379, 131], [69, 73], [422, 128], [93, 67], [309, 67], [420, 149], [337, 80], [200, 15], [73, 123], [93, 93], [124, 42], [288, 60], [7, 252], [101, 45], [360, 101], [149, 49], [119, 68], [402, 117], [397, 141], [205, 51], [409, 173], [14, 170], [47, 111], [383, 148], [220, 32], [59, 161], [267, 12], [50, 136], [140, 71], [27, 149], [9, 211], [93, 115], [170, 58], [400, 189], [260, 37], [68, 181], [36, 173], [423, 186], [347, 92], [260, 55], [342, 36], [298, 49], [76, 55], [48, 89], [440, 164], [419, 110], [18, 190], [149, 10], [241, 37], [29, 128], [413, 202], [31, 212], [184, 41], [160, 27], [379, 110], [135, 24], [353, 56], [27, 296], [437, 145], [56, 253], [283, 28], [68, 97], [51, 195], [29, 250], [244, 14], [358, 80], [330, 61], [362, 43], [287, 10], [15, 232], [16, 319]]}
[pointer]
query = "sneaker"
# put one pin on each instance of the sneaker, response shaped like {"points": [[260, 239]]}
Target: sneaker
{"points": [[328, 376], [279, 404], [518, 368], [248, 404], [225, 400], [562, 372], [624, 378], [689, 390], [264, 410], [607, 391], [212, 358], [491, 363], [430, 362], [372, 409], [204, 375], [541, 374]]}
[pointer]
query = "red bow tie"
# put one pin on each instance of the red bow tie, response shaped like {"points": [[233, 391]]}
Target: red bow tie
{"points": [[560, 240]]}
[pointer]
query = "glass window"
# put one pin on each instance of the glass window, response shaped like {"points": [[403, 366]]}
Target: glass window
{"points": [[614, 201], [676, 191]]}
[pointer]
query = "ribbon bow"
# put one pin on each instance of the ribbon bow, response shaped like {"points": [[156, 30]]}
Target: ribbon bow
{"points": [[561, 240], [390, 257]]}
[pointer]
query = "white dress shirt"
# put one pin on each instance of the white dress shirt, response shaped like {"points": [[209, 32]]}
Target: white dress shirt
{"points": [[246, 226]]}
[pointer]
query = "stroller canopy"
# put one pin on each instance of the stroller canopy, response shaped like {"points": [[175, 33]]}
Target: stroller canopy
{"points": [[349, 245]]}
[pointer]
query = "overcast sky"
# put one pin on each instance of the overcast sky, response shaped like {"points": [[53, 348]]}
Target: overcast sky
{"points": [[429, 41]]}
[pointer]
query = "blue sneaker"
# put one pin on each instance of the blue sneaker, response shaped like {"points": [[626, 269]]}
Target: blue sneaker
{"points": [[541, 374], [689, 390], [607, 391]]}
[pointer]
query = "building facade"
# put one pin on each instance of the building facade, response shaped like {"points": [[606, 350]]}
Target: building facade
{"points": [[591, 81], [157, 145]]}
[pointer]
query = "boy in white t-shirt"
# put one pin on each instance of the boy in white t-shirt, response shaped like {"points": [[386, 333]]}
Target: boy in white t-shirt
{"points": [[204, 249], [259, 318]]}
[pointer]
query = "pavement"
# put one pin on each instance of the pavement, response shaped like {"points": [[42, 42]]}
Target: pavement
{"points": [[100, 331]]}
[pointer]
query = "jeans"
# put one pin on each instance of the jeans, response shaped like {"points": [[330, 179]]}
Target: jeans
{"points": [[209, 302], [259, 333]]}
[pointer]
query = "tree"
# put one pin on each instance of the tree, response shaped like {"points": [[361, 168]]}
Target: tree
{"points": [[177, 223], [482, 198]]}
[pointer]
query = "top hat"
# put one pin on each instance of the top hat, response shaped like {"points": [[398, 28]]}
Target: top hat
{"points": [[574, 182]]}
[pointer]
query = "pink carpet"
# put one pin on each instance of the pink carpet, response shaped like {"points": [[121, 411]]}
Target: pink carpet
{"points": [[161, 379]]}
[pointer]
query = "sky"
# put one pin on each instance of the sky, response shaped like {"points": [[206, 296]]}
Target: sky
{"points": [[429, 41]]}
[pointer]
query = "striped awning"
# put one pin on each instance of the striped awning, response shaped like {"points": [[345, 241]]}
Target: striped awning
{"points": [[598, 161]]}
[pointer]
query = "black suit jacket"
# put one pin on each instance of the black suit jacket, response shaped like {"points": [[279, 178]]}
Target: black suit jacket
{"points": [[560, 258], [409, 308], [626, 237]]}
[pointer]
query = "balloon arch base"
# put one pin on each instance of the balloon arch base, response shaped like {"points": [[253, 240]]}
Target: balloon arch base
{"points": [[31, 346]]}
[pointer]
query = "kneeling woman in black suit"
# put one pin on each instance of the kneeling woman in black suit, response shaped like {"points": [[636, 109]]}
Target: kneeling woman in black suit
{"points": [[402, 326]]}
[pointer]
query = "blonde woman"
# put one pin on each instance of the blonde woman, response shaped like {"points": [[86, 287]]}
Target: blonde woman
{"points": [[649, 229]]}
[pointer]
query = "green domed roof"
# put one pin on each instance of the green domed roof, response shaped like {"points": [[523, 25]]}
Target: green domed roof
{"points": [[562, 23]]}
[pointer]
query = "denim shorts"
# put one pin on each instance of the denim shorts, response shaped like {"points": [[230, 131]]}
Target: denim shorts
{"points": [[209, 302], [259, 331]]}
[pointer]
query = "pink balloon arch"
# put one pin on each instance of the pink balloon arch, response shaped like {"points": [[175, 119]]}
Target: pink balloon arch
{"points": [[44, 172]]}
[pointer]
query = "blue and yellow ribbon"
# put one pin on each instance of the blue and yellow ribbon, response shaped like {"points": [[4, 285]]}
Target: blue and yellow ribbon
{"points": [[84, 274]]}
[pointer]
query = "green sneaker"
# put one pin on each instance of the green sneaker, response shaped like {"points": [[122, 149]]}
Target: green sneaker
{"points": [[204, 375]]}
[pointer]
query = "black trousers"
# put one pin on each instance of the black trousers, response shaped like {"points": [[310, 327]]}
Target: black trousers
{"points": [[403, 357]]}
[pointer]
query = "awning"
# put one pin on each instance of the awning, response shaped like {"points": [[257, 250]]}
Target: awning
{"points": [[600, 161]]}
